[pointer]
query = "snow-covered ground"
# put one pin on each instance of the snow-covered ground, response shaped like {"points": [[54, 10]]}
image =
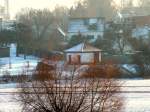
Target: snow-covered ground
{"points": [[8, 102], [13, 66], [16, 65], [138, 97], [136, 101]]}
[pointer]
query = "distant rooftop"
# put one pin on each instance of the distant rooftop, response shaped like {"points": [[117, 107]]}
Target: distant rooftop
{"points": [[135, 11], [141, 20]]}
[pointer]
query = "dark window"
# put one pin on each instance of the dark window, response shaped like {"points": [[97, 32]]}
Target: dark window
{"points": [[86, 21], [92, 27], [90, 36]]}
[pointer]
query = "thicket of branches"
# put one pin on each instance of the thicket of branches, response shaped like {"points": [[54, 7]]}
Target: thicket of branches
{"points": [[67, 92]]}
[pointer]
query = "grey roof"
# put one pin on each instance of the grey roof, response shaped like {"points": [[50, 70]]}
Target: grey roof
{"points": [[135, 11], [83, 47]]}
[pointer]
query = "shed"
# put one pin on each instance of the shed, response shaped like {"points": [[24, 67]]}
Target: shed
{"points": [[83, 53]]}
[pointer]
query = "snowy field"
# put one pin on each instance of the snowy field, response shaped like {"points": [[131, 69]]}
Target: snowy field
{"points": [[16, 65], [137, 100], [13, 66], [8, 102], [136, 96]]}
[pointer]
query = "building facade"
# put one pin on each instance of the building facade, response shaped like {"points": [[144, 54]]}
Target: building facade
{"points": [[90, 27], [6, 24], [141, 26]]}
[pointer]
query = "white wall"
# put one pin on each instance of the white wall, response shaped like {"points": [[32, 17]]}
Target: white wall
{"points": [[87, 57], [95, 34]]}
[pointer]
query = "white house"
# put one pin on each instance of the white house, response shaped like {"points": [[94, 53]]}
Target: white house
{"points": [[141, 26], [6, 24], [83, 54], [142, 31], [91, 27]]}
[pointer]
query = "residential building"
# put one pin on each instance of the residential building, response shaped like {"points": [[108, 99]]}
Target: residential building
{"points": [[88, 26], [143, 32], [135, 11], [141, 26], [6, 24]]}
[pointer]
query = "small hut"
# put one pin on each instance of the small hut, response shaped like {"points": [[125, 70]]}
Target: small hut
{"points": [[83, 53]]}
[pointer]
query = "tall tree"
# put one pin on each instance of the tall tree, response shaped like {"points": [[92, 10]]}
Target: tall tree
{"points": [[116, 38], [39, 20], [141, 58], [144, 3], [7, 37], [23, 38], [103, 8], [42, 24], [61, 15], [99, 8]]}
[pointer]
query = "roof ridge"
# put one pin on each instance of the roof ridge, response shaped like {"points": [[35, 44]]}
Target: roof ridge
{"points": [[83, 45]]}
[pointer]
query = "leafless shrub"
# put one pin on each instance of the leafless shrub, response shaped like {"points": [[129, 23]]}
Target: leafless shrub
{"points": [[44, 71], [107, 70], [73, 94]]}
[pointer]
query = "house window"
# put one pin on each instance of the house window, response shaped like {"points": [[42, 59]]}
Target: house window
{"points": [[92, 21], [86, 21], [89, 37], [92, 26]]}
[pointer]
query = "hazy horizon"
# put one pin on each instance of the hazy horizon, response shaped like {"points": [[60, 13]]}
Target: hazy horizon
{"points": [[16, 5]]}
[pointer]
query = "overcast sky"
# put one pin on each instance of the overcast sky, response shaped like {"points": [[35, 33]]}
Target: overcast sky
{"points": [[17, 5]]}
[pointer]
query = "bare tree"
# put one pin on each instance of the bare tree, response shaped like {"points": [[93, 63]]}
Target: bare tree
{"points": [[66, 92], [40, 22]]}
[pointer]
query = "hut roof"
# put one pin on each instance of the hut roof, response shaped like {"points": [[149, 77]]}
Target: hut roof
{"points": [[83, 47]]}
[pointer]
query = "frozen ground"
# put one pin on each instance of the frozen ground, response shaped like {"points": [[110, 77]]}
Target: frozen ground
{"points": [[136, 101], [136, 96], [16, 65], [8, 102]]}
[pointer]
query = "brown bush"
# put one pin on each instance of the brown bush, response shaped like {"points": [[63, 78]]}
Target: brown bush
{"points": [[100, 71], [44, 71]]}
